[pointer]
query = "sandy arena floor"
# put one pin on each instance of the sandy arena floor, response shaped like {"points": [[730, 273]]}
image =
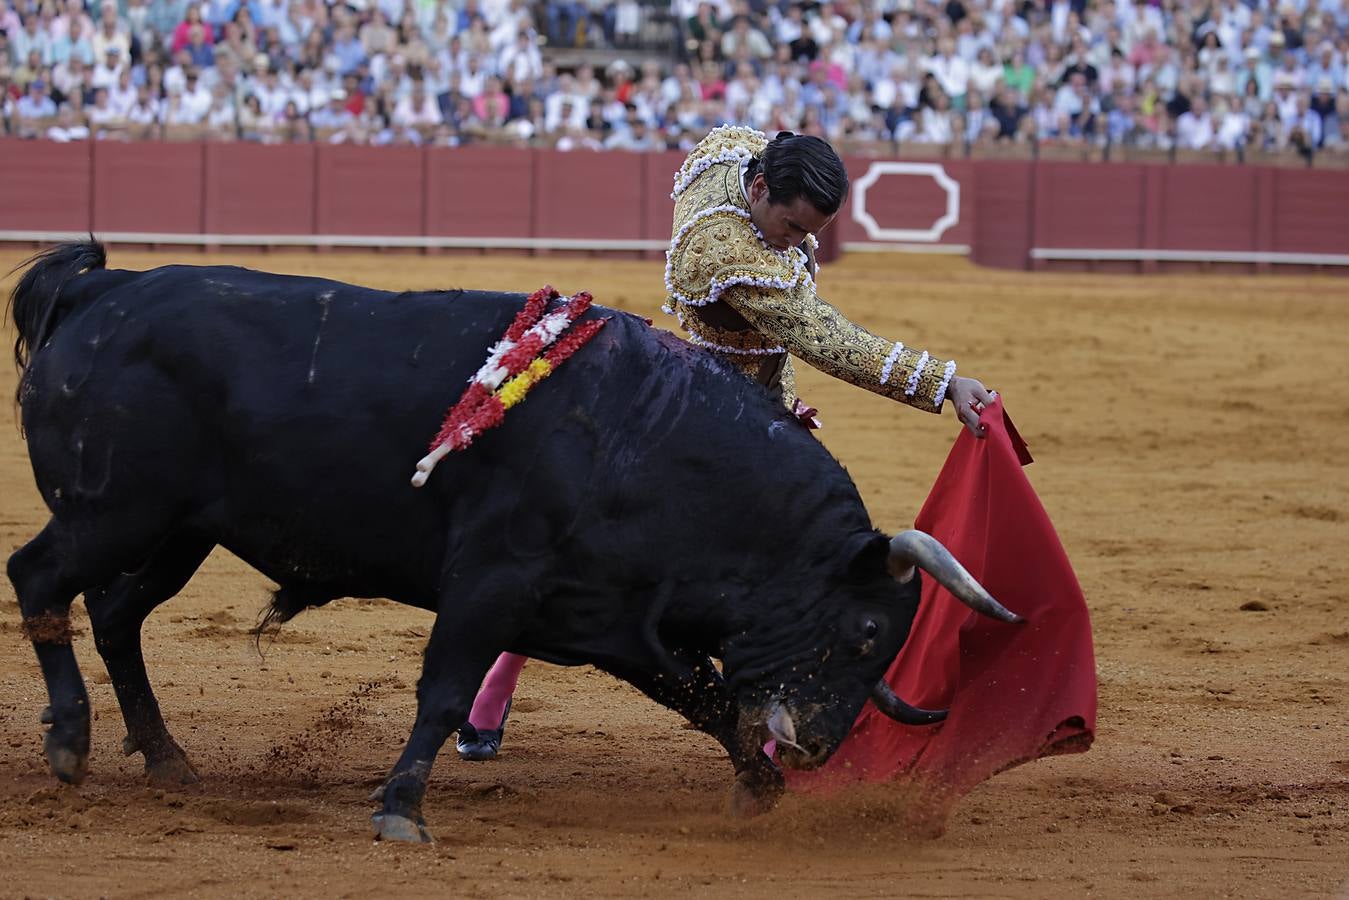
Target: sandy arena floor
{"points": [[1191, 440]]}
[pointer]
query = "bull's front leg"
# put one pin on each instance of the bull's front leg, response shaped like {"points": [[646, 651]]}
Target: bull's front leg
{"points": [[459, 652], [692, 687]]}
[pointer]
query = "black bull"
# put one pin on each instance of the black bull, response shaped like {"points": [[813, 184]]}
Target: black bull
{"points": [[645, 510]]}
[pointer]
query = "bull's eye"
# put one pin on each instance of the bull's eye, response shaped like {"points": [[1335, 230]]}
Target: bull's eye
{"points": [[871, 629]]}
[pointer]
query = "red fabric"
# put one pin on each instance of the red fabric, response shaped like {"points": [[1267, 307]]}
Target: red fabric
{"points": [[1016, 692]]}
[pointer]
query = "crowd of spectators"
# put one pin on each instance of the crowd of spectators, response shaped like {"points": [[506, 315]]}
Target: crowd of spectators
{"points": [[1199, 75]]}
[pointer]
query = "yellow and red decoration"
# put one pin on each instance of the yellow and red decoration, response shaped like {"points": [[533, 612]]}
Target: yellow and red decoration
{"points": [[513, 367]]}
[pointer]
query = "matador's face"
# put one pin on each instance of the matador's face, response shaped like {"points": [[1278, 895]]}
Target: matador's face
{"points": [[783, 225]]}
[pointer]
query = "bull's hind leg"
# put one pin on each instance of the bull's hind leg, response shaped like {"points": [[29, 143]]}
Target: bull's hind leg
{"points": [[65, 559], [117, 611], [45, 588]]}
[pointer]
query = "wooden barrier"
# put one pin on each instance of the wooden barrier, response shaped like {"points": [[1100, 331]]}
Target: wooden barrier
{"points": [[1131, 216]]}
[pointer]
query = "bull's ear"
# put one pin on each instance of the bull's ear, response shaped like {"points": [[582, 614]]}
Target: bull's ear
{"points": [[867, 556]]}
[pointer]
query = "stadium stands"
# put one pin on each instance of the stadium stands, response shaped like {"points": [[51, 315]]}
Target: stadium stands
{"points": [[1079, 79]]}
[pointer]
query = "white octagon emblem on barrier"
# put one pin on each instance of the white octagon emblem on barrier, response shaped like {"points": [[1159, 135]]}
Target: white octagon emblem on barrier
{"points": [[925, 235]]}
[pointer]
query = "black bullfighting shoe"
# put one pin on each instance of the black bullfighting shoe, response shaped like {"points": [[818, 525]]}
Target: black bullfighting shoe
{"points": [[481, 744]]}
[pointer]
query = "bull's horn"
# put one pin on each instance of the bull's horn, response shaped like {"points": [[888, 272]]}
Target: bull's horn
{"points": [[782, 728], [915, 548], [889, 703]]}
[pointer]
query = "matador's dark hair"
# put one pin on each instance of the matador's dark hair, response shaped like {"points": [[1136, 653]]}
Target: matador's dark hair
{"points": [[801, 165]]}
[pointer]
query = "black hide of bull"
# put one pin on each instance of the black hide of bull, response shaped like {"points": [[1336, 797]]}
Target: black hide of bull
{"points": [[645, 509]]}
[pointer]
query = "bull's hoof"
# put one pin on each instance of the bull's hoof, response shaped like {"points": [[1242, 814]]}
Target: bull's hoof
{"points": [[47, 716], [68, 763], [171, 769], [751, 797], [377, 795], [389, 827]]}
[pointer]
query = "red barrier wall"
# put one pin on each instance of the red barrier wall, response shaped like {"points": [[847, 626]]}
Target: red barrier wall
{"points": [[1075, 207], [913, 200], [1309, 212], [45, 186], [657, 185], [149, 187], [1212, 208], [472, 191], [588, 195], [1016, 214], [250, 185], [370, 190], [1002, 231]]}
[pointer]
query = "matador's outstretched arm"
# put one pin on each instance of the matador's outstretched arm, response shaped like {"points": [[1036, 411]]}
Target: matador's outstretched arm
{"points": [[816, 332]]}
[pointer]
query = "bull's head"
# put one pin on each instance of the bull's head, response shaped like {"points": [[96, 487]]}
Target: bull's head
{"points": [[805, 687]]}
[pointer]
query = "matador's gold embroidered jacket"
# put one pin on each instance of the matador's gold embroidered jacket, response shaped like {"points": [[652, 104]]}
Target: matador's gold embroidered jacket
{"points": [[755, 305]]}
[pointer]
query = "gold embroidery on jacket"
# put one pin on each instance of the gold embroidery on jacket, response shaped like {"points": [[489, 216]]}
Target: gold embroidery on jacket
{"points": [[747, 301]]}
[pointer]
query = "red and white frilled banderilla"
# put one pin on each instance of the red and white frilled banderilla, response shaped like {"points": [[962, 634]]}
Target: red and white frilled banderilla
{"points": [[512, 368]]}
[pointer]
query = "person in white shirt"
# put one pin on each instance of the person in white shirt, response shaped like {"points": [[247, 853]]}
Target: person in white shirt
{"points": [[1119, 73], [985, 73], [271, 94], [1233, 126], [672, 86], [1285, 99], [70, 77], [270, 13], [195, 96], [103, 117], [566, 108], [417, 110], [175, 76], [870, 25], [145, 112], [223, 117], [110, 33], [1194, 129], [577, 139], [513, 21], [171, 110], [1307, 126], [333, 115], [473, 78], [67, 127], [521, 60], [107, 69], [825, 23], [1222, 81], [636, 136], [951, 72], [122, 95], [789, 27], [934, 122]]}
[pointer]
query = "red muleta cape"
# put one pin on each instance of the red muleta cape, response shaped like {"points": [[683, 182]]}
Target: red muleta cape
{"points": [[1016, 692]]}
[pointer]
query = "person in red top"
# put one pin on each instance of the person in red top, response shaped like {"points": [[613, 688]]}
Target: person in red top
{"points": [[182, 33]]}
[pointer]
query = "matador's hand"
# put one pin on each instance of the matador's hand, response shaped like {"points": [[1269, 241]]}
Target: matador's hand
{"points": [[969, 397]]}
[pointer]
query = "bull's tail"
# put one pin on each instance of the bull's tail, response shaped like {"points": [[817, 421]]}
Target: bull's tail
{"points": [[38, 303]]}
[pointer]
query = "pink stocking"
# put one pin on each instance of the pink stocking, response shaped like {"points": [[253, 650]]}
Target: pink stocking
{"points": [[490, 704]]}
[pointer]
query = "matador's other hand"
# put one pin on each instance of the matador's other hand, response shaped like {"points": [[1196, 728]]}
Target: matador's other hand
{"points": [[969, 397]]}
